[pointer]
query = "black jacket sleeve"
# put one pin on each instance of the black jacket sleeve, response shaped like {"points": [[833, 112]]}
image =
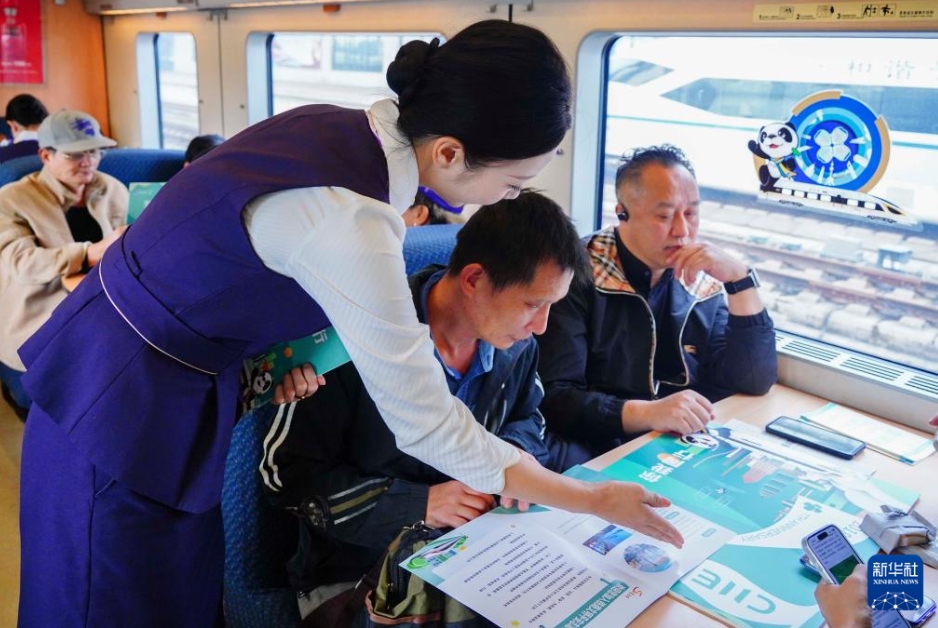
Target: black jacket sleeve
{"points": [[571, 408], [320, 479], [741, 354]]}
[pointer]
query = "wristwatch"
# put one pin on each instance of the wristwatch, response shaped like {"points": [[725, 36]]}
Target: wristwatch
{"points": [[751, 280]]}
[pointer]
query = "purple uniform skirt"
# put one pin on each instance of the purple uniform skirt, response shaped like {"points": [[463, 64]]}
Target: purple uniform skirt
{"points": [[95, 553]]}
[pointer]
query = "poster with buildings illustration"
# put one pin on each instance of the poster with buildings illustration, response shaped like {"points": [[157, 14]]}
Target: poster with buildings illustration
{"points": [[771, 495]]}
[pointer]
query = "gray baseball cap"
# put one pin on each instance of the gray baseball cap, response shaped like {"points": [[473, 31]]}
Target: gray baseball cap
{"points": [[72, 131]]}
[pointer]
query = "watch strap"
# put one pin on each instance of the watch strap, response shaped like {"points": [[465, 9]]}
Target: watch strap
{"points": [[749, 281]]}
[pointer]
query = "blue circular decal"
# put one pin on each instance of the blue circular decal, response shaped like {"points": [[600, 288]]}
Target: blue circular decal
{"points": [[842, 143]]}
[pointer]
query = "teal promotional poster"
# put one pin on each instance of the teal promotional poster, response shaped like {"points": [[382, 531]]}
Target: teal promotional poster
{"points": [[771, 495]]}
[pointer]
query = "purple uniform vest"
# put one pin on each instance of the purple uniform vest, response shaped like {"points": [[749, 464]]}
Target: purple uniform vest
{"points": [[140, 365]]}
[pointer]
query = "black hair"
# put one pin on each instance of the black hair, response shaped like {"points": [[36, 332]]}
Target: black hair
{"points": [[26, 110], [437, 215], [510, 239], [202, 144], [631, 166], [500, 88]]}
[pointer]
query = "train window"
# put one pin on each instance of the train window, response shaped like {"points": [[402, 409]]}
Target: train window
{"points": [[362, 53], [346, 70], [636, 72], [860, 269], [167, 88], [177, 89], [771, 100]]}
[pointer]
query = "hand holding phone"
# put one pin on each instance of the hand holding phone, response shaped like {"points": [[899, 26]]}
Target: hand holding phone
{"points": [[834, 557], [914, 618], [830, 551], [816, 437], [845, 604]]}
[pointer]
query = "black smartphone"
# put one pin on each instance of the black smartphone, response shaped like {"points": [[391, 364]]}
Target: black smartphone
{"points": [[816, 437], [830, 553]]}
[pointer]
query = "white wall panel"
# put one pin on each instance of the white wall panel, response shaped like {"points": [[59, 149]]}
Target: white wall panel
{"points": [[120, 36]]}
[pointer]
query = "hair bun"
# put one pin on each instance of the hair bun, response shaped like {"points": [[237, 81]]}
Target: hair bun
{"points": [[407, 68]]}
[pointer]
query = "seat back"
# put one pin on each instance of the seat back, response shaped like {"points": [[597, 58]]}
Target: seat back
{"points": [[428, 245], [127, 165], [143, 165], [259, 538], [15, 169]]}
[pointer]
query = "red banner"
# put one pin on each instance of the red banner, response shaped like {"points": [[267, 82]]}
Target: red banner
{"points": [[21, 42]]}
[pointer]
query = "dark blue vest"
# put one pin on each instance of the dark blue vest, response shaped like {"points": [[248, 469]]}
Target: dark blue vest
{"points": [[26, 148], [140, 364]]}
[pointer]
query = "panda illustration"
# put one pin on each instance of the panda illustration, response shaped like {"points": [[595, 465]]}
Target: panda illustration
{"points": [[255, 382], [778, 143], [261, 381]]}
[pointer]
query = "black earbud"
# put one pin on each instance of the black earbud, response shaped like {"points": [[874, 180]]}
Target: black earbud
{"points": [[624, 214]]}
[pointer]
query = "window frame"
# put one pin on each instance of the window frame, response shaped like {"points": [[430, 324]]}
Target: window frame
{"points": [[892, 399]]}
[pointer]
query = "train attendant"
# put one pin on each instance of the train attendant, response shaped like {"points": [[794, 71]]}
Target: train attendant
{"points": [[289, 225]]}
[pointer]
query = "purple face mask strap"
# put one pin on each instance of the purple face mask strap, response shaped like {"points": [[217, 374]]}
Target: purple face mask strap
{"points": [[436, 198]]}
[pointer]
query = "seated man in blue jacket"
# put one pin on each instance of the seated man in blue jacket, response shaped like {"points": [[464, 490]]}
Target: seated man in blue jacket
{"points": [[670, 324], [338, 466]]}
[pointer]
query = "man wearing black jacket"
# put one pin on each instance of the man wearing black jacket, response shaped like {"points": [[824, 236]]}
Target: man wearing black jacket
{"points": [[669, 325], [337, 465]]}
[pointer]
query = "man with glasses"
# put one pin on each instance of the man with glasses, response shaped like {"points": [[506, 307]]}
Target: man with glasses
{"points": [[53, 223]]}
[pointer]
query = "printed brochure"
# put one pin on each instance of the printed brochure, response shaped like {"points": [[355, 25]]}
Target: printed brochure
{"points": [[140, 196], [878, 436], [260, 376], [551, 568]]}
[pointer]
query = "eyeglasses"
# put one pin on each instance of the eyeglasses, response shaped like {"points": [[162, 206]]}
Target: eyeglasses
{"points": [[93, 154]]}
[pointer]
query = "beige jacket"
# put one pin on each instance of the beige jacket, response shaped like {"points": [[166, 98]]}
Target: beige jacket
{"points": [[37, 249]]}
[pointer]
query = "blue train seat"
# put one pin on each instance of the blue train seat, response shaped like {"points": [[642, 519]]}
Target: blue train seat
{"points": [[260, 538], [127, 165], [16, 169], [143, 165], [428, 245]]}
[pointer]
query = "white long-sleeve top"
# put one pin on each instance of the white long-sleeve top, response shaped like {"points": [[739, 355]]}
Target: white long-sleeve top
{"points": [[346, 251]]}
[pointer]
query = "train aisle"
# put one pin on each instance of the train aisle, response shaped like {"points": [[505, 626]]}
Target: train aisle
{"points": [[11, 440]]}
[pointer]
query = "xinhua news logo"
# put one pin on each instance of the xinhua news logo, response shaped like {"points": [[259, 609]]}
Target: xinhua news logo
{"points": [[895, 582]]}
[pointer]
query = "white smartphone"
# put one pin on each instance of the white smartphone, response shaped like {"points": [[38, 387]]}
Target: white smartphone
{"points": [[833, 556], [831, 553]]}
